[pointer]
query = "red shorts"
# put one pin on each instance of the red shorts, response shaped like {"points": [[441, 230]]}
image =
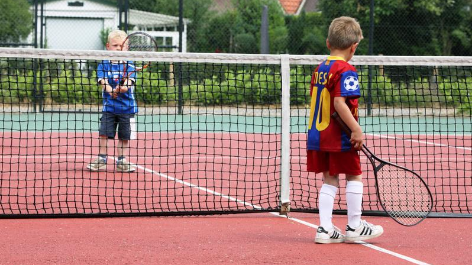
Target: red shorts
{"points": [[348, 163]]}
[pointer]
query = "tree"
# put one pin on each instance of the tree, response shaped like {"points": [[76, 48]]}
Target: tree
{"points": [[453, 22], [406, 27], [248, 22], [306, 34], [197, 11], [16, 20], [461, 38], [220, 33]]}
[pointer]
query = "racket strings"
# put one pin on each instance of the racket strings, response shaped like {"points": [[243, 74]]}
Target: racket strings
{"points": [[403, 194], [141, 47], [141, 43]]}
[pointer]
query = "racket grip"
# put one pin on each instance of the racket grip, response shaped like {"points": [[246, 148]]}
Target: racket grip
{"points": [[341, 124]]}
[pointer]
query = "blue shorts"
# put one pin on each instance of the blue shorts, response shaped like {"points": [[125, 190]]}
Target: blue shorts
{"points": [[125, 123]]}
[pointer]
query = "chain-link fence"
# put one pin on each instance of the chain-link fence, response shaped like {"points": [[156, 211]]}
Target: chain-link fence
{"points": [[396, 27]]}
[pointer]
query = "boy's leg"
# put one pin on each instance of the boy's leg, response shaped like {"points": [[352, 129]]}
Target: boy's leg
{"points": [[348, 163], [357, 229], [125, 133], [354, 192], [103, 146], [101, 161], [318, 161], [122, 148], [107, 130], [122, 164], [327, 233], [326, 200]]}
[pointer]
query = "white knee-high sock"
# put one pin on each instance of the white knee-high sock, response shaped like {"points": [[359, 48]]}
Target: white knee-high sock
{"points": [[354, 191], [326, 204]]}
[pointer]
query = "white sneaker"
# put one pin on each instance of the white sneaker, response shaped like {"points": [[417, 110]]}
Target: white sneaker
{"points": [[125, 166], [97, 164], [363, 232], [328, 237]]}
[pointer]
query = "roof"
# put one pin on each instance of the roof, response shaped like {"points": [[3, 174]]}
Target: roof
{"points": [[291, 6], [294, 7], [143, 18], [135, 17]]}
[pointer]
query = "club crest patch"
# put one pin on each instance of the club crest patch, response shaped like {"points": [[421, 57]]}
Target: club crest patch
{"points": [[351, 83]]}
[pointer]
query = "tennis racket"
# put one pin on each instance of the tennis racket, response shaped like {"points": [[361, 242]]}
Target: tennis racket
{"points": [[137, 41], [403, 194]]}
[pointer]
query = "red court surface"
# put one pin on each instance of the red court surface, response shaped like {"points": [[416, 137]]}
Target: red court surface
{"points": [[261, 238]]}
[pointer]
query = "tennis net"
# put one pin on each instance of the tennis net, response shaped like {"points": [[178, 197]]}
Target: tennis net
{"points": [[219, 133]]}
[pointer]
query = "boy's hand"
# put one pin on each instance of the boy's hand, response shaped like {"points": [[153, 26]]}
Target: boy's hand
{"points": [[357, 139], [108, 89], [122, 87], [118, 90]]}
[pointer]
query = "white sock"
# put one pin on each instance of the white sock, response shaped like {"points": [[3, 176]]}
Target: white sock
{"points": [[354, 190], [326, 204]]}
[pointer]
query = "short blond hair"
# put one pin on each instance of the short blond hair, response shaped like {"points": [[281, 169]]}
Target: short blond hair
{"points": [[344, 32], [117, 34]]}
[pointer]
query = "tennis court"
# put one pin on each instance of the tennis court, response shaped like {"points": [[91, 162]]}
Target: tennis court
{"points": [[215, 156], [180, 172]]}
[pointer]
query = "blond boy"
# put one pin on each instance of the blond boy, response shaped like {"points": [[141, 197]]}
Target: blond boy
{"points": [[335, 88], [116, 79]]}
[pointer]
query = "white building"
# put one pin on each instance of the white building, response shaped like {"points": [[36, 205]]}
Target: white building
{"points": [[78, 24]]}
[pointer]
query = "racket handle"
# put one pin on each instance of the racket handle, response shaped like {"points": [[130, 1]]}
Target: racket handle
{"points": [[341, 123], [346, 130]]}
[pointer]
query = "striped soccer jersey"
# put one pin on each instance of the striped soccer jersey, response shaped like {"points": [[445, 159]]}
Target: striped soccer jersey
{"points": [[332, 78]]}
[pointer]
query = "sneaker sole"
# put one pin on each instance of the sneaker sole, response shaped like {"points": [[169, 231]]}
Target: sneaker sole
{"points": [[361, 238], [96, 170], [328, 241], [125, 171]]}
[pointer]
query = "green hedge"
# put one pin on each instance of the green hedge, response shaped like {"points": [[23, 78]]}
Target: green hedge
{"points": [[232, 86], [458, 94]]}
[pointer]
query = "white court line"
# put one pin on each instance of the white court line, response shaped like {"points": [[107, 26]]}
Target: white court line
{"points": [[383, 250], [421, 142], [194, 186], [386, 251]]}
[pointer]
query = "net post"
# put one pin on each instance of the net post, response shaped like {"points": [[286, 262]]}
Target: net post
{"points": [[285, 138]]}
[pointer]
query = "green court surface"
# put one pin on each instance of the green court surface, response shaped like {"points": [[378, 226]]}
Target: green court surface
{"points": [[83, 122]]}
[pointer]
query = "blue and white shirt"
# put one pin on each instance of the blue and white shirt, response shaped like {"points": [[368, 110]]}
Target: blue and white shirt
{"points": [[114, 72]]}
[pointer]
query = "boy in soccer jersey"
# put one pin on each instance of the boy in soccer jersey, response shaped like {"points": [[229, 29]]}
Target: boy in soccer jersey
{"points": [[335, 88], [116, 79]]}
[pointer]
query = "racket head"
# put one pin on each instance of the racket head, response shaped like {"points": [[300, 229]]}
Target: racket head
{"points": [[402, 193], [139, 42]]}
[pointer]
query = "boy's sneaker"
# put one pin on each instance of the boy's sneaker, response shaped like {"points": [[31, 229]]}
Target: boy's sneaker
{"points": [[125, 166], [363, 232], [328, 237], [97, 164]]}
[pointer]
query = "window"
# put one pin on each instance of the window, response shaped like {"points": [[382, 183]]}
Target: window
{"points": [[76, 3]]}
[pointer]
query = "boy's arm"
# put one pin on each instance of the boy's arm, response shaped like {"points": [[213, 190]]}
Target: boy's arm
{"points": [[105, 86], [124, 85], [357, 137], [102, 80]]}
